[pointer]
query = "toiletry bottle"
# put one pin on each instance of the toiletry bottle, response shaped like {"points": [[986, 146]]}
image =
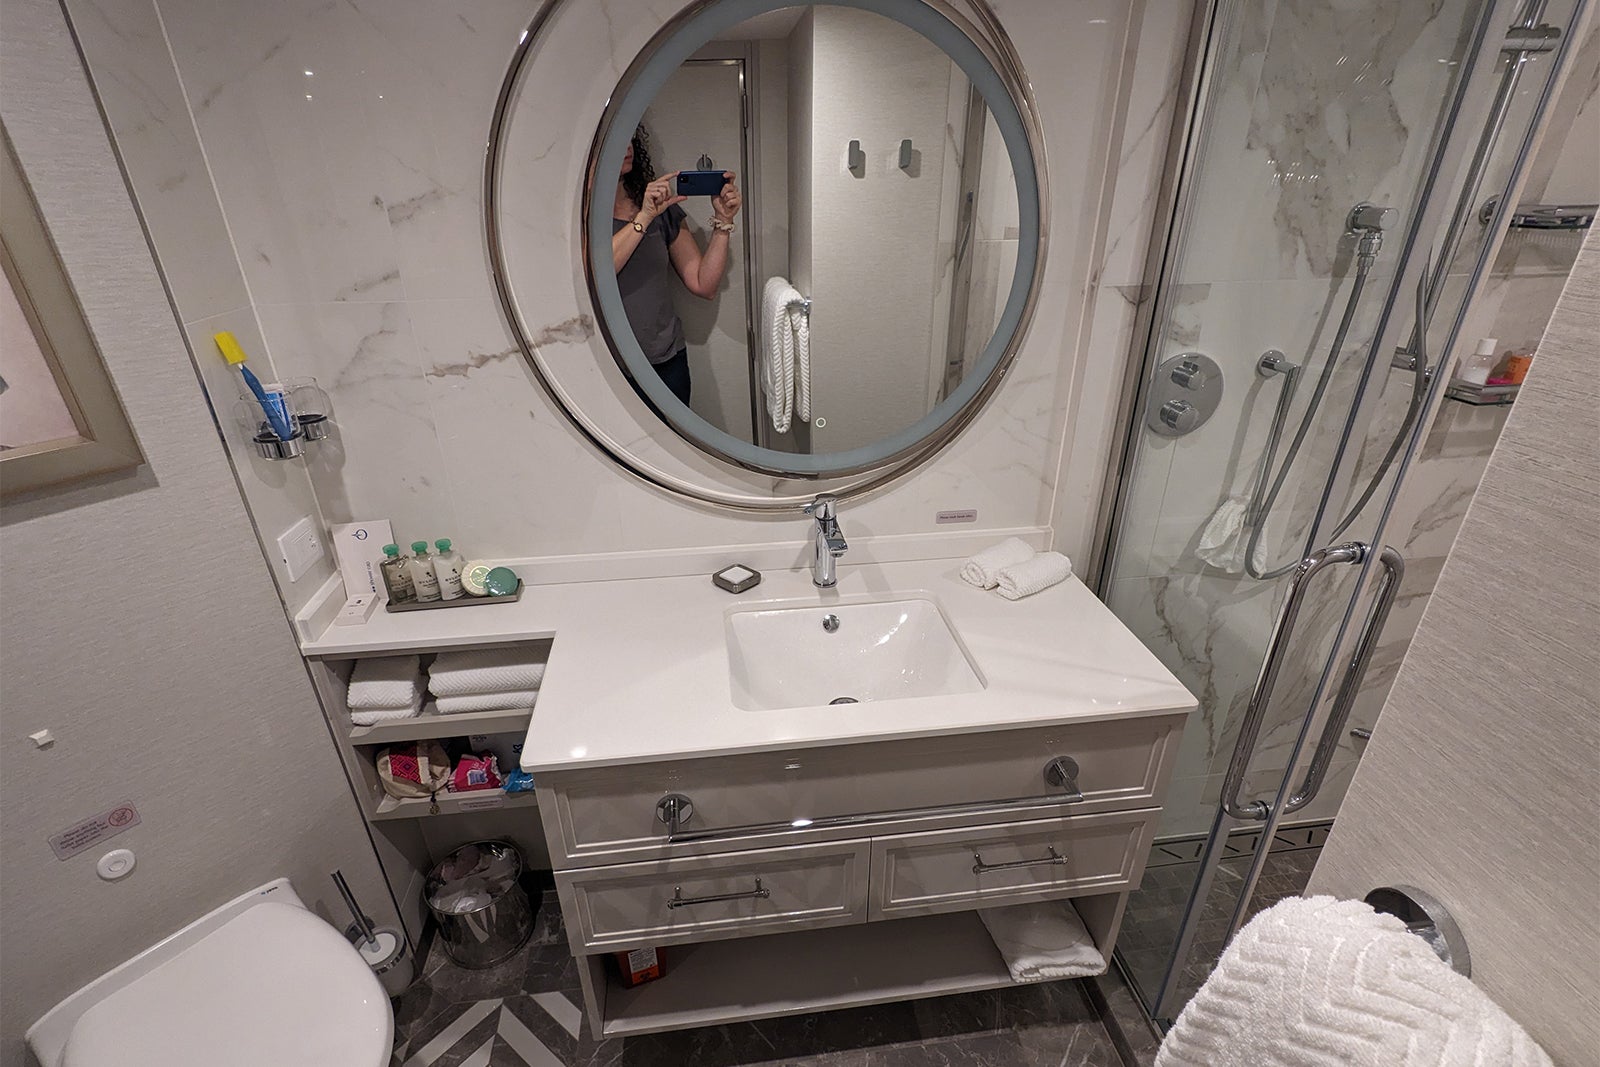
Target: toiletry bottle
{"points": [[1475, 371], [1517, 366], [396, 579], [447, 568], [420, 567]]}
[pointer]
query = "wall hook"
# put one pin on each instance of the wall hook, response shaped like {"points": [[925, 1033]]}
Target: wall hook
{"points": [[857, 160], [905, 155]]}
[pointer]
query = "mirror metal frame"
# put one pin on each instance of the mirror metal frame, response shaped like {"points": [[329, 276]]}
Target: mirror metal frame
{"points": [[996, 49]]}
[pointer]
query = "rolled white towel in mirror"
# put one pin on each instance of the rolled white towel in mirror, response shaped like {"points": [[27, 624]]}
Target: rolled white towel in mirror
{"points": [[386, 682], [487, 701], [983, 569], [1030, 576]]}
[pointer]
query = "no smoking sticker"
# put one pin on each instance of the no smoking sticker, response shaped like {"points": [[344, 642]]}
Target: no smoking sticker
{"points": [[93, 830]]}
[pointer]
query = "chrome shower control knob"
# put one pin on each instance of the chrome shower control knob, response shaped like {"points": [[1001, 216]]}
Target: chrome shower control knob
{"points": [[1189, 375], [1179, 415], [830, 623]]}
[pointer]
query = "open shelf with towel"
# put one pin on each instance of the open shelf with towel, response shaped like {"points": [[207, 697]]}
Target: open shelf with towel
{"points": [[410, 836], [710, 982]]}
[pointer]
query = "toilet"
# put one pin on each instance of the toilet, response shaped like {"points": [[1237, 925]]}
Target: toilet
{"points": [[259, 982]]}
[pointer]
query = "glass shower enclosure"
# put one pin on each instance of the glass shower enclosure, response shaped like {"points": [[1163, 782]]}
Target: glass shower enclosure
{"points": [[1326, 241]]}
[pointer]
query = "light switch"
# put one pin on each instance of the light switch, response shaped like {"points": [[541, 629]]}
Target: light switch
{"points": [[300, 548]]}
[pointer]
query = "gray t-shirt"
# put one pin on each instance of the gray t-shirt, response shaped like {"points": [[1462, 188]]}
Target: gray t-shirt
{"points": [[646, 284]]}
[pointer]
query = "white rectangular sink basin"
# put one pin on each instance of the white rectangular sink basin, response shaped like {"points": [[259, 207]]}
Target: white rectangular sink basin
{"points": [[796, 657]]}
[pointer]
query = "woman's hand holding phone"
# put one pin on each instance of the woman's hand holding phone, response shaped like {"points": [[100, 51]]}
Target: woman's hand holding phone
{"points": [[658, 196], [728, 201]]}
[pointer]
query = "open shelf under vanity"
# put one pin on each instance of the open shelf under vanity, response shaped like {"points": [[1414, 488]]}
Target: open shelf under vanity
{"points": [[804, 971]]}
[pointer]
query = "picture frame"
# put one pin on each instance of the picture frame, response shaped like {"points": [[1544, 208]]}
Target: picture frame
{"points": [[60, 417]]}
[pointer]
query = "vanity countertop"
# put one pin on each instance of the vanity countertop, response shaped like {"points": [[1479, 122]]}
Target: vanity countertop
{"points": [[639, 668]]}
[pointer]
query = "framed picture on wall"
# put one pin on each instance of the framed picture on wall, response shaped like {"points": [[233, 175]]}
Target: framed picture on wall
{"points": [[60, 418]]}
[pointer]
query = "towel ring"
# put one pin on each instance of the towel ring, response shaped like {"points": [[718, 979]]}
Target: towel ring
{"points": [[1428, 918]]}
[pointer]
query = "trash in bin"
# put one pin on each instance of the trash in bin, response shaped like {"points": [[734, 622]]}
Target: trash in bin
{"points": [[484, 916]]}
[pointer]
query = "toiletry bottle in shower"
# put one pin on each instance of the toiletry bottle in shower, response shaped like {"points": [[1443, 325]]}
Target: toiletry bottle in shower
{"points": [[1476, 370], [447, 568], [396, 578], [420, 567]]}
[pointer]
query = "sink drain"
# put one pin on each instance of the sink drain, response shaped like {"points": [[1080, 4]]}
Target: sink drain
{"points": [[844, 700]]}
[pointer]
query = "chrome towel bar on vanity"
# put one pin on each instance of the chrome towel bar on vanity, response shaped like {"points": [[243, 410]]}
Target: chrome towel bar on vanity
{"points": [[675, 810]]}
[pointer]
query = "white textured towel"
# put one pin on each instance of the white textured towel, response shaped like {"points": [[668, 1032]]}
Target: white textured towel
{"points": [[373, 716], [523, 698], [383, 682], [1032, 575], [785, 353], [1319, 982], [493, 670], [1043, 942], [983, 569], [1223, 542]]}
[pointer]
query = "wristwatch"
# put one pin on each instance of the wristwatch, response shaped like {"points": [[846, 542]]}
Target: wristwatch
{"points": [[637, 228]]}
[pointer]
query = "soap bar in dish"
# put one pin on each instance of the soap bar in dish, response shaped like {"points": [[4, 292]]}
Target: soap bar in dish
{"points": [[737, 578]]}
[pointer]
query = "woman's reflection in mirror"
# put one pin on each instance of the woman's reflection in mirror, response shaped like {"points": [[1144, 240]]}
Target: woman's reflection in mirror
{"points": [[649, 241]]}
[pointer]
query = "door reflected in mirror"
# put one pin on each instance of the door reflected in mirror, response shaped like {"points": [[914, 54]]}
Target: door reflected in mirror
{"points": [[815, 229]]}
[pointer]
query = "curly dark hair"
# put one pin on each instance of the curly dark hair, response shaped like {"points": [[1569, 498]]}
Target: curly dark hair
{"points": [[643, 171]]}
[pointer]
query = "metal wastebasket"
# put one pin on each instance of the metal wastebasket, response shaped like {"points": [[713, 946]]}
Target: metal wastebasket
{"points": [[484, 916]]}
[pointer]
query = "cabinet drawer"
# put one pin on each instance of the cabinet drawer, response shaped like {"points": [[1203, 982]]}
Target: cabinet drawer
{"points": [[712, 897], [607, 815], [974, 867]]}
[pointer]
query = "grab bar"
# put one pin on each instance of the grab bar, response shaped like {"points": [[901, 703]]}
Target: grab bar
{"points": [[1271, 363], [1394, 569], [675, 810], [1277, 645]]}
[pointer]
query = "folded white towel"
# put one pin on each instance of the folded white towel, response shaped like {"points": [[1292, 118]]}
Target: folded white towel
{"points": [[983, 570], [523, 698], [1043, 942], [1030, 576], [373, 716], [383, 682], [1319, 982], [493, 670]]}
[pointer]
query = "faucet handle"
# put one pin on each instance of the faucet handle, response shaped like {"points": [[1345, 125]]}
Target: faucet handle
{"points": [[824, 507]]}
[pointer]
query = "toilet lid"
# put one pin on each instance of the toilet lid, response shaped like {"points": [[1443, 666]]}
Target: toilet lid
{"points": [[276, 985]]}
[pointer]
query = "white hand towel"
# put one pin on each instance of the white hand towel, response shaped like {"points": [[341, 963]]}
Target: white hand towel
{"points": [[1319, 982], [1043, 942], [777, 350], [493, 670], [383, 682], [1030, 576], [983, 570], [800, 325], [486, 702], [373, 716], [1226, 537]]}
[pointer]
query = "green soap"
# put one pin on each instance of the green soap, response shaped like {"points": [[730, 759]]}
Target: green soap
{"points": [[502, 581]]}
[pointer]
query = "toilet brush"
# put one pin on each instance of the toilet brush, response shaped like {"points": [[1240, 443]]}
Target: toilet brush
{"points": [[384, 949]]}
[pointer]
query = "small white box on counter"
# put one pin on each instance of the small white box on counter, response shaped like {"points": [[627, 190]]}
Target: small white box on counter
{"points": [[358, 546]]}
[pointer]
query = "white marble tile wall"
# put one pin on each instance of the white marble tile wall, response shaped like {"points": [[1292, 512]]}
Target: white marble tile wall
{"points": [[345, 143]]}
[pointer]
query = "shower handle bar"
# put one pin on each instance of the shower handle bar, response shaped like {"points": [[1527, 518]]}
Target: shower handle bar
{"points": [[1277, 647], [1394, 571], [1272, 363]]}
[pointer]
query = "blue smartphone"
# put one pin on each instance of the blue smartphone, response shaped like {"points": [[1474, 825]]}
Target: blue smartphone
{"points": [[700, 182]]}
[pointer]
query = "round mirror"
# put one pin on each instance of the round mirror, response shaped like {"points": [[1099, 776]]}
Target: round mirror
{"points": [[811, 233]]}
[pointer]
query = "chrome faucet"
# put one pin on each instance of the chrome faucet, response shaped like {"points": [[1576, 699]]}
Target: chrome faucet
{"points": [[828, 543]]}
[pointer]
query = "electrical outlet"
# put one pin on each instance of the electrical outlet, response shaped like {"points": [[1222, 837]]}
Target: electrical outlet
{"points": [[300, 548]]}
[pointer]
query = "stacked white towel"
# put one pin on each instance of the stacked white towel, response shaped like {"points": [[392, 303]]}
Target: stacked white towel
{"points": [[384, 688], [1014, 570], [1043, 942], [1319, 982], [485, 680]]}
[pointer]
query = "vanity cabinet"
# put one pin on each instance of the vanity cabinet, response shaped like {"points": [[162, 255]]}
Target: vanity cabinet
{"points": [[864, 862]]}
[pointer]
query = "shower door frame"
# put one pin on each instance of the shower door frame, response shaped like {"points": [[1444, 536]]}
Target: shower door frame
{"points": [[1431, 208]]}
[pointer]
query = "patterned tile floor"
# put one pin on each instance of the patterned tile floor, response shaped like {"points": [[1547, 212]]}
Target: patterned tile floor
{"points": [[526, 1013]]}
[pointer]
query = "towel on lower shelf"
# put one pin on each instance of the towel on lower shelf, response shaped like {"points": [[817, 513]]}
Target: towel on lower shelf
{"points": [[983, 569], [1031, 576], [491, 670], [1319, 982], [1043, 942], [372, 716], [385, 682], [518, 698]]}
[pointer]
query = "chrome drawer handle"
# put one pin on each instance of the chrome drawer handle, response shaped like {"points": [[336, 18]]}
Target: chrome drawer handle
{"points": [[1055, 859], [680, 901]]}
